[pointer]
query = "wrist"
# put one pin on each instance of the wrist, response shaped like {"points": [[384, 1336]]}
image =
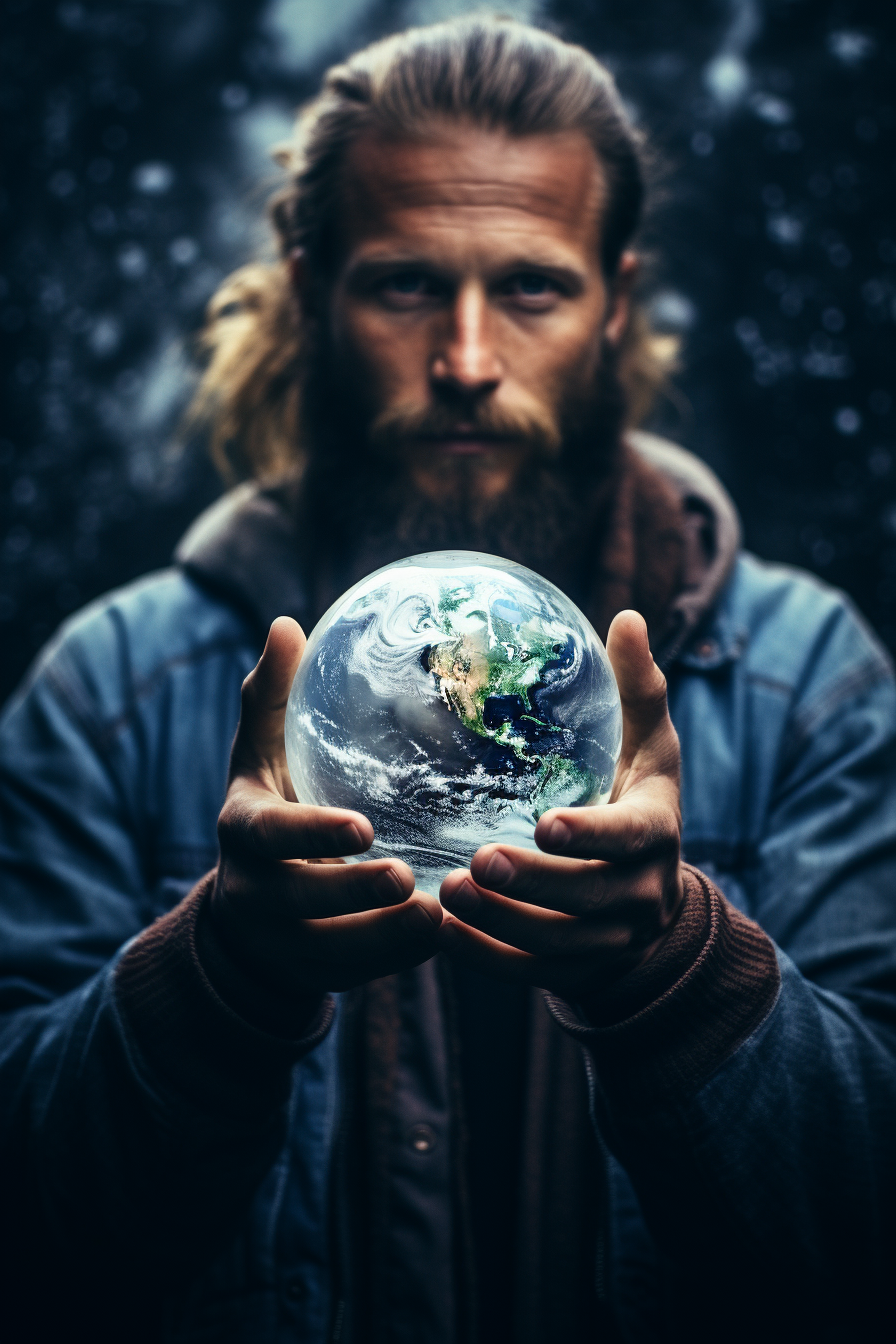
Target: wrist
{"points": [[686, 928], [673, 902], [660, 1033], [246, 981], [196, 1040]]}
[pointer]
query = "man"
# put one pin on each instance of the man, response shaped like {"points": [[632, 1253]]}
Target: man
{"points": [[688, 1135]]}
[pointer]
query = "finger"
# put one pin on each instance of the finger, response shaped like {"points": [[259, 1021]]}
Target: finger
{"points": [[642, 691], [255, 821], [540, 932], [487, 955], [561, 975], [318, 890], [401, 935], [491, 957], [259, 736], [581, 887], [645, 821], [642, 686]]}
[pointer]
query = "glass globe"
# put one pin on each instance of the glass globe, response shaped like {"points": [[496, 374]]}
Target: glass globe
{"points": [[452, 698]]}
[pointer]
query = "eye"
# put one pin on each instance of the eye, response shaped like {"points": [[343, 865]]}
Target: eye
{"points": [[408, 289], [532, 289], [533, 284], [409, 282]]}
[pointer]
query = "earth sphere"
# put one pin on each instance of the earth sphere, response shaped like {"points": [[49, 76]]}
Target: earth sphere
{"points": [[452, 698]]}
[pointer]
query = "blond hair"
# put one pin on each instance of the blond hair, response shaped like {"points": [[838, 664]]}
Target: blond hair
{"points": [[492, 72]]}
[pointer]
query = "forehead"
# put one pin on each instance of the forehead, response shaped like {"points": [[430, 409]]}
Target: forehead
{"points": [[463, 182]]}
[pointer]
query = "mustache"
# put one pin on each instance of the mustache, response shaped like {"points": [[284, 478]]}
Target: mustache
{"points": [[395, 428]]}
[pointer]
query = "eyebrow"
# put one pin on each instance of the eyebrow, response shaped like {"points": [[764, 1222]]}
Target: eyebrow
{"points": [[367, 270]]}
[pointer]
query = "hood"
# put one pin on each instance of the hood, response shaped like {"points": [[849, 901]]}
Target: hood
{"points": [[246, 548], [712, 535]]}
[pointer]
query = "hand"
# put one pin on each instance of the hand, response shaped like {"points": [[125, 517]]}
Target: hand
{"points": [[600, 899], [296, 916]]}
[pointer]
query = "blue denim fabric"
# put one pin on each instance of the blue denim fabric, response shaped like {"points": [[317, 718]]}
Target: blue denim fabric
{"points": [[113, 761]]}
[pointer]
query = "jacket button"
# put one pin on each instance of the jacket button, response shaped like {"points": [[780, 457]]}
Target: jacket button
{"points": [[708, 649], [295, 1288], [422, 1139]]}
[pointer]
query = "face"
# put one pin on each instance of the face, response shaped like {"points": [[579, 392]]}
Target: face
{"points": [[470, 310]]}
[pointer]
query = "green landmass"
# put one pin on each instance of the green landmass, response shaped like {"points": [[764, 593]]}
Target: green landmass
{"points": [[487, 656]]}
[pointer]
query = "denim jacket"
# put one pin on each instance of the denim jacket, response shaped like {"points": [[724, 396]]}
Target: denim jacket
{"points": [[773, 1184]]}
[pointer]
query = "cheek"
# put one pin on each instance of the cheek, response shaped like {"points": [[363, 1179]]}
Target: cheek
{"points": [[582, 369], [557, 364], [563, 350], [390, 358]]}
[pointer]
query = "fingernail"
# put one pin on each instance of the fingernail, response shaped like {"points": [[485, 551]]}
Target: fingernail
{"points": [[349, 838], [418, 911], [558, 834], [389, 885], [498, 872], [465, 899]]}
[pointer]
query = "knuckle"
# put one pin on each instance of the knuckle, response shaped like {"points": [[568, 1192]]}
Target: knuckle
{"points": [[231, 883], [653, 833], [248, 828], [650, 697], [646, 892], [240, 885], [231, 824], [672, 837], [637, 834], [249, 682], [657, 694], [259, 830], [667, 832], [247, 825]]}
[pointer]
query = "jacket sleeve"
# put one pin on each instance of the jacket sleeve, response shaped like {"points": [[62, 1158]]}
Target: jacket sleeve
{"points": [[138, 1111], [747, 1082]]}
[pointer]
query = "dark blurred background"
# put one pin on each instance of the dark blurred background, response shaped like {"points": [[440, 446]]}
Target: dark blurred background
{"points": [[135, 172]]}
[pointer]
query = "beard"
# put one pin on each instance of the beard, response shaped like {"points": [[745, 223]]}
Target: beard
{"points": [[362, 510]]}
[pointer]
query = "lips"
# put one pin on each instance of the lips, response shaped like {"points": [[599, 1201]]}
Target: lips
{"points": [[467, 443], [465, 447]]}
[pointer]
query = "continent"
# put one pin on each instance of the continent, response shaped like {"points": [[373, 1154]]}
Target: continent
{"points": [[491, 657], [461, 669], [562, 783], [488, 655]]}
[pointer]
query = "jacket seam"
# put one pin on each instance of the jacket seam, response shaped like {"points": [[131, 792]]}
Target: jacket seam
{"points": [[771, 683], [855, 683], [103, 731]]}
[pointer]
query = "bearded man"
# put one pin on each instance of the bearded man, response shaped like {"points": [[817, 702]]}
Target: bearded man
{"points": [[598, 1093]]}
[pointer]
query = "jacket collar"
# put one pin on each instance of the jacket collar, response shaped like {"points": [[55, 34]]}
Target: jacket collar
{"points": [[246, 549], [701, 635]]}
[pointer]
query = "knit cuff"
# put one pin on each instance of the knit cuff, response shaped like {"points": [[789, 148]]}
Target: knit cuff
{"points": [[664, 1030], [198, 1025]]}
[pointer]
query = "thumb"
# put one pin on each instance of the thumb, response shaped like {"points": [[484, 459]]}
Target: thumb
{"points": [[642, 690], [259, 736]]}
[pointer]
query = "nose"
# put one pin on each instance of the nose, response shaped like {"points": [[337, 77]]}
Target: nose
{"points": [[467, 363]]}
